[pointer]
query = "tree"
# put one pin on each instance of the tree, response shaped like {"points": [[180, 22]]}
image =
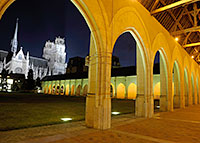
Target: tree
{"points": [[4, 75], [30, 81], [38, 82]]}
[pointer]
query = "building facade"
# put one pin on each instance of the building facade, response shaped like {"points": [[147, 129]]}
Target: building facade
{"points": [[52, 63]]}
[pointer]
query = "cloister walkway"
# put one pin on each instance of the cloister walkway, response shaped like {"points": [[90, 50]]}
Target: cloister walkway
{"points": [[182, 125]]}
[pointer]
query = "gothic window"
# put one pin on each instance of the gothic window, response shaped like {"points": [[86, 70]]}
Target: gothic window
{"points": [[18, 70], [20, 57]]}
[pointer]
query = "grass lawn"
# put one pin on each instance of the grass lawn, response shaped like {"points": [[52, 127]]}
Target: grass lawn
{"points": [[24, 110]]}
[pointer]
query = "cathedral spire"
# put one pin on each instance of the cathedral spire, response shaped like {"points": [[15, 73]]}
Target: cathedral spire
{"points": [[14, 42]]}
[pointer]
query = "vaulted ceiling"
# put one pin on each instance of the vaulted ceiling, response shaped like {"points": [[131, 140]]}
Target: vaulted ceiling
{"points": [[182, 19]]}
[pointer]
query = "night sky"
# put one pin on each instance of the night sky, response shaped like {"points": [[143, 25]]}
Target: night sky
{"points": [[42, 20]]}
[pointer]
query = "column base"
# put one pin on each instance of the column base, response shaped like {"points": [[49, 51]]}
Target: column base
{"points": [[163, 103], [176, 101], [140, 106], [98, 112]]}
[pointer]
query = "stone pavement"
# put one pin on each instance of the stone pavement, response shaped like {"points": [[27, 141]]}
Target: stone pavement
{"points": [[180, 126]]}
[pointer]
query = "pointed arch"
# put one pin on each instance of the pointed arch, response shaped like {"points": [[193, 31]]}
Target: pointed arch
{"points": [[132, 91], [67, 90], [121, 91], [78, 90], [85, 90], [176, 84]]}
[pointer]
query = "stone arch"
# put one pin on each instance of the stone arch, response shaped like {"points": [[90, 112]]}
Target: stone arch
{"points": [[112, 90], [122, 23], [49, 89], [176, 83], [163, 86], [57, 90], [132, 91], [53, 89], [186, 87], [85, 90], [156, 91], [160, 44], [78, 90], [46, 89], [121, 91], [72, 91], [62, 90], [67, 90], [99, 65]]}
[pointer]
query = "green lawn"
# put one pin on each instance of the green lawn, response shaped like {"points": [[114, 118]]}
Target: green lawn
{"points": [[24, 110]]}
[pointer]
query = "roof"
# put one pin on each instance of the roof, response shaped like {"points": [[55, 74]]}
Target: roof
{"points": [[123, 71], [182, 21]]}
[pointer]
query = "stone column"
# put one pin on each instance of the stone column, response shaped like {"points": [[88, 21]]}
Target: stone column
{"points": [[144, 99], [176, 88], [163, 85], [98, 101]]}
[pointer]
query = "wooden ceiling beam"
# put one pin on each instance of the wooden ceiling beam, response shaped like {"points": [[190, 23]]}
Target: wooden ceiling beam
{"points": [[154, 5], [192, 45], [173, 5], [192, 29]]}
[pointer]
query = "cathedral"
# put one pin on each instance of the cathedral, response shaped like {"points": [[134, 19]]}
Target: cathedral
{"points": [[52, 63]]}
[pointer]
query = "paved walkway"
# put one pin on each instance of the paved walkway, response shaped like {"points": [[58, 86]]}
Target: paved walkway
{"points": [[180, 126]]}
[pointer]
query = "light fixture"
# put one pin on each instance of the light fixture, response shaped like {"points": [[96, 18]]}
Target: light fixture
{"points": [[158, 107], [192, 57], [176, 39], [115, 113], [66, 119]]}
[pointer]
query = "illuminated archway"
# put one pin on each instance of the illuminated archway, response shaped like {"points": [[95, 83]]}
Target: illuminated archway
{"points": [[57, 90], [85, 90], [46, 90], [132, 91], [67, 90], [112, 90], [121, 91], [72, 90], [62, 90], [160, 77], [157, 91], [53, 89], [49, 90], [78, 90]]}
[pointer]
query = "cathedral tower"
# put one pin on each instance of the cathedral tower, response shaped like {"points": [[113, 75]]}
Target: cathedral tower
{"points": [[14, 42]]}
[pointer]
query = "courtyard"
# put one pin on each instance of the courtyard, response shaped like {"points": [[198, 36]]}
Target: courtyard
{"points": [[26, 110], [180, 126]]}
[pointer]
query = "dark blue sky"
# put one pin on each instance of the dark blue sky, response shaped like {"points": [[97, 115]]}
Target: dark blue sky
{"points": [[42, 20]]}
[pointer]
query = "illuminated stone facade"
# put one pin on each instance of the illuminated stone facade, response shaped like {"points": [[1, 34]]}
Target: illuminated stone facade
{"points": [[17, 62]]}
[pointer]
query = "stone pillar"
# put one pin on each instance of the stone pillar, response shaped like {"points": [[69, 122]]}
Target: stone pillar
{"points": [[176, 98], [170, 96], [190, 89], [163, 85], [195, 92], [144, 99], [98, 101]]}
